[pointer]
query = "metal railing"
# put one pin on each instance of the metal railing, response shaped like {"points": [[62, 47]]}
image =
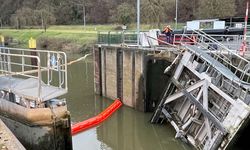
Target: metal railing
{"points": [[232, 42], [223, 55], [6, 68], [50, 66], [117, 37]]}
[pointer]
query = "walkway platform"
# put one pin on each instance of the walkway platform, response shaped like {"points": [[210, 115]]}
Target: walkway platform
{"points": [[28, 88], [217, 65]]}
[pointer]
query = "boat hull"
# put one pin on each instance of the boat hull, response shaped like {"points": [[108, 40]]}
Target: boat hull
{"points": [[38, 130]]}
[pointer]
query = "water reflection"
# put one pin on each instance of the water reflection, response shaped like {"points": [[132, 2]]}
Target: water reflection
{"points": [[88, 140], [131, 130], [127, 129]]}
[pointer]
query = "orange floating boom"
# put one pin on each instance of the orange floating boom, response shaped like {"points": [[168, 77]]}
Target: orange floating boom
{"points": [[91, 122]]}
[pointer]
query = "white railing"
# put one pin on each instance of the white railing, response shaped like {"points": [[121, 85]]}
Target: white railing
{"points": [[240, 70], [221, 52], [7, 71], [232, 42], [50, 67]]}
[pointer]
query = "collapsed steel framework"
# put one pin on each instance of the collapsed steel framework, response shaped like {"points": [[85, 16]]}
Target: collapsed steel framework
{"points": [[207, 100]]}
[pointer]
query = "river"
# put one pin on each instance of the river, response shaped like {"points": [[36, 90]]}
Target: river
{"points": [[126, 129]]}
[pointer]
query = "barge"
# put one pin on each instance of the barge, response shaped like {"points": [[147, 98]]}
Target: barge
{"points": [[31, 84]]}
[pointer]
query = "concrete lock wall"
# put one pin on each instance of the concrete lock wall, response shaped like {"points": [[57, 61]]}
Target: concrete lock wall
{"points": [[139, 80], [121, 73], [127, 96], [109, 72], [133, 73]]}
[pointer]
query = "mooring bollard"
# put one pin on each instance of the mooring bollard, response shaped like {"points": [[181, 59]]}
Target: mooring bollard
{"points": [[32, 45]]}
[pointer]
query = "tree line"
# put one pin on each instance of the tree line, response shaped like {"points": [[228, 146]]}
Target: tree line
{"points": [[21, 13]]}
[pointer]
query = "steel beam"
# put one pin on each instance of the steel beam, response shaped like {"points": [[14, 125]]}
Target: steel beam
{"points": [[181, 93], [205, 105], [205, 112]]}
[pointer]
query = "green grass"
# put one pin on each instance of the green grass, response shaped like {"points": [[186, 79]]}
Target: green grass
{"points": [[80, 37], [74, 33], [88, 28]]}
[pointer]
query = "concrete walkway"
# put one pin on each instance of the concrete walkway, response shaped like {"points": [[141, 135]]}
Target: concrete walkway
{"points": [[8, 141]]}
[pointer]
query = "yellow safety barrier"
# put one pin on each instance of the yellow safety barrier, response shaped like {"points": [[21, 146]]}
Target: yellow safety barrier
{"points": [[1, 39], [32, 43]]}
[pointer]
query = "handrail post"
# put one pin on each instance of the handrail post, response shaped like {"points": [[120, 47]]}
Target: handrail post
{"points": [[39, 79], [1, 59], [48, 67], [109, 36], [9, 61], [59, 70], [23, 61], [66, 70]]}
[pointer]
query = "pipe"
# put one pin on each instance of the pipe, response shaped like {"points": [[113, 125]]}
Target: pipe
{"points": [[138, 22], [91, 122], [170, 66]]}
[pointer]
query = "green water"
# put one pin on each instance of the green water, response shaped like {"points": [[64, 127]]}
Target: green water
{"points": [[127, 129]]}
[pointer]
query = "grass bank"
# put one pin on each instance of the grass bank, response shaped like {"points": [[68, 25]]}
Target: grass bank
{"points": [[52, 35], [64, 37]]}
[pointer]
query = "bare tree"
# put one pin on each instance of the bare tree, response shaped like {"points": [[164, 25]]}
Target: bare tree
{"points": [[45, 12], [124, 14], [216, 8], [1, 23], [100, 11], [83, 4], [158, 11]]}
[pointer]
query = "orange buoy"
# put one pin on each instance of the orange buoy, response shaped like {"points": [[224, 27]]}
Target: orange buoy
{"points": [[91, 122]]}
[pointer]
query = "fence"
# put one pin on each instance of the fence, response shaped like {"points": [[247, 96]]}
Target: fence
{"points": [[117, 37]]}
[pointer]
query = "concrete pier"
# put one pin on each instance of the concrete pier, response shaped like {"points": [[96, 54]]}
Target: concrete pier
{"points": [[8, 141], [126, 73]]}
